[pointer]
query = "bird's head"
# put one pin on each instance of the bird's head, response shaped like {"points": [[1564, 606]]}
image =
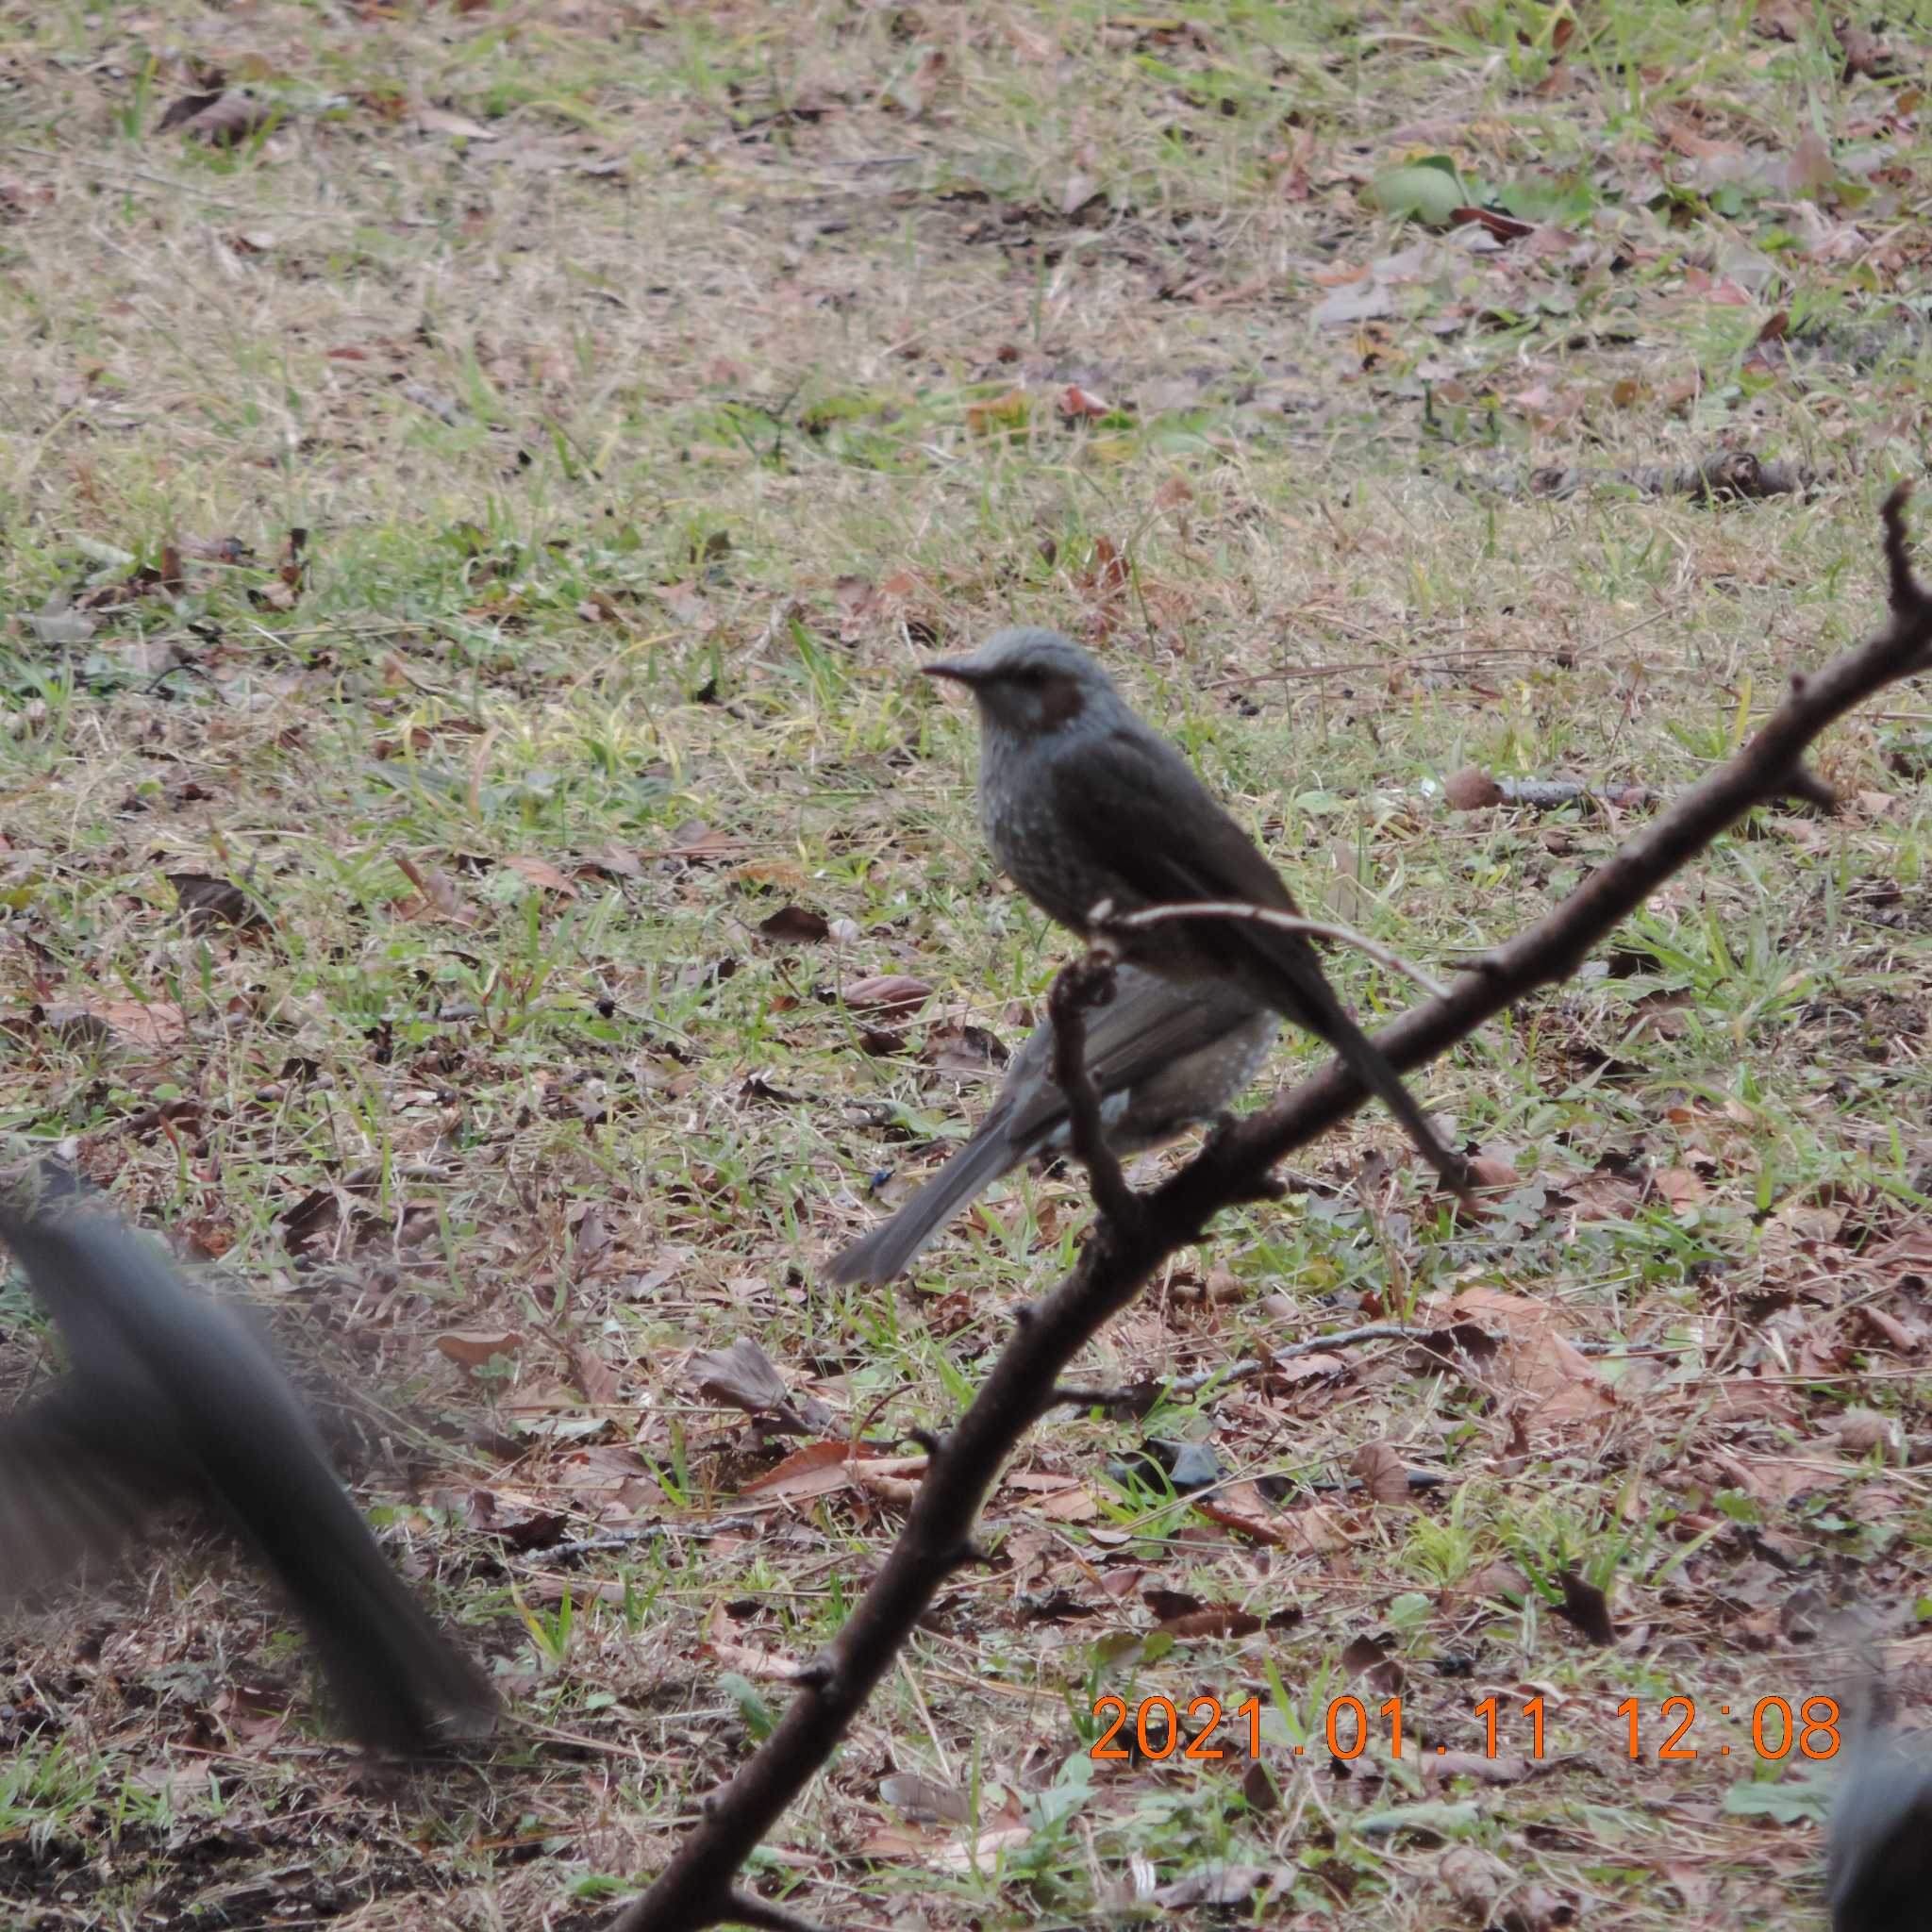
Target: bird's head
{"points": [[1032, 682]]}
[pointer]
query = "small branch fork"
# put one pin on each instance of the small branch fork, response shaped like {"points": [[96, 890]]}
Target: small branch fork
{"points": [[1138, 1232]]}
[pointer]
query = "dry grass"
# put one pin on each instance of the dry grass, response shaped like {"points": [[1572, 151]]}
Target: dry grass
{"points": [[656, 387]]}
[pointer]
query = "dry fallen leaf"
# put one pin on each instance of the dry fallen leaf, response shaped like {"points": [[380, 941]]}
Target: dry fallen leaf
{"points": [[147, 1024], [594, 1378], [724, 1642], [206, 902], [1368, 1657], [475, 1347], [1471, 789], [821, 1468], [1680, 1189], [968, 1854], [694, 843], [540, 872], [1772, 1479], [1383, 1474], [1108, 573], [454, 126], [222, 119], [1076, 1504], [618, 861], [892, 995], [1585, 1606], [1534, 1356], [925, 1800], [1498, 1579], [1240, 1506], [795, 926], [1006, 412], [440, 894], [740, 1376], [1811, 165], [1080, 189]]}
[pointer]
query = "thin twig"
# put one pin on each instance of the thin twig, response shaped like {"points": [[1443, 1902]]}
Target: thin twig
{"points": [[1349, 1338], [1277, 922], [1130, 1401], [610, 1540], [1139, 1398], [115, 170], [1409, 660], [744, 1909], [1226, 1374]]}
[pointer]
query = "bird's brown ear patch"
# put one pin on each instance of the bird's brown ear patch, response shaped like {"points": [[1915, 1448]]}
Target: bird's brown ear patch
{"points": [[1061, 702]]}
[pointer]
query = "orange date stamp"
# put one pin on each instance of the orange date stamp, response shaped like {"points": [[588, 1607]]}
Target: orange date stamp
{"points": [[1202, 1729]]}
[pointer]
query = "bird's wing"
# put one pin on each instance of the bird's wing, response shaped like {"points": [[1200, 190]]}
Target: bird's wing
{"points": [[215, 1405], [83, 1471], [1135, 803], [1146, 1026]]}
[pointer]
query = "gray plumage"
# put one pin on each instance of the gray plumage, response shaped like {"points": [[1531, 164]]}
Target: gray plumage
{"points": [[1879, 1872], [1878, 1859], [171, 1403], [1162, 1059], [1082, 803]]}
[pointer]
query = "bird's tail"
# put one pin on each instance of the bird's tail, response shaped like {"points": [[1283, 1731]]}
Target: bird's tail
{"points": [[1316, 1008], [893, 1247]]}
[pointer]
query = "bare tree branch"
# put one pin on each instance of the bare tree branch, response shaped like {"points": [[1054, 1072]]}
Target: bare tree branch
{"points": [[694, 1889]]}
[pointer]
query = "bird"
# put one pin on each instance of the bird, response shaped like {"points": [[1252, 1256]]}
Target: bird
{"points": [[1162, 1059], [1878, 1870], [170, 1402], [1085, 805], [1878, 1841]]}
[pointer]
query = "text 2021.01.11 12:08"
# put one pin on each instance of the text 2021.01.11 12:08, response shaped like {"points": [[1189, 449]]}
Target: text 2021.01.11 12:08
{"points": [[1161, 1727]]}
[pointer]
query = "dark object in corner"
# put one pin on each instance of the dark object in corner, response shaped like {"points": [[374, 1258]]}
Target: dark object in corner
{"points": [[1878, 1874]]}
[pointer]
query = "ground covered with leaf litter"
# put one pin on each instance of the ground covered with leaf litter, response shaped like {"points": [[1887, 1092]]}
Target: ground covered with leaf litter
{"points": [[477, 867]]}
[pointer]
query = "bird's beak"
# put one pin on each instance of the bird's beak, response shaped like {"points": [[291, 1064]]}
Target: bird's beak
{"points": [[956, 670]]}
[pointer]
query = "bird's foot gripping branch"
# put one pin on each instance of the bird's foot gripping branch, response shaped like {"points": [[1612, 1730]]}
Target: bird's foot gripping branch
{"points": [[1139, 1233]]}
